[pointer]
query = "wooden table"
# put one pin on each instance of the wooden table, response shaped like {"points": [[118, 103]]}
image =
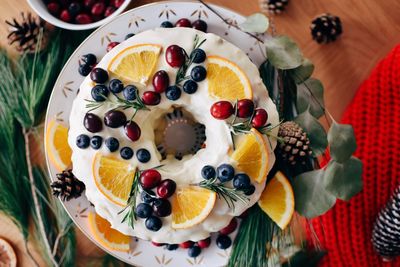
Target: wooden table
{"points": [[371, 30]]}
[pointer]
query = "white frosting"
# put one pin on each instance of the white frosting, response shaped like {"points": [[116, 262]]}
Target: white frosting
{"points": [[188, 170]]}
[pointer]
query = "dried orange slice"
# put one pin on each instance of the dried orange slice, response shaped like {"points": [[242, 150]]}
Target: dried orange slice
{"points": [[135, 64], [226, 80], [251, 156], [113, 177], [107, 236], [57, 145], [191, 205], [277, 200]]}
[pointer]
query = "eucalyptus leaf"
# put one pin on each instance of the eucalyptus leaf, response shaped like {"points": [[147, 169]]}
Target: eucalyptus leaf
{"points": [[315, 132], [311, 198], [257, 23], [283, 53], [267, 73], [303, 72], [343, 180], [342, 142], [310, 94]]}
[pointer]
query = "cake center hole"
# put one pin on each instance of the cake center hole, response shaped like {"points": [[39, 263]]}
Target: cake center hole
{"points": [[179, 134]]}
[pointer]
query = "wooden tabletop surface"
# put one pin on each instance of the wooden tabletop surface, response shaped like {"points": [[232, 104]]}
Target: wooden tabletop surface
{"points": [[371, 29]]}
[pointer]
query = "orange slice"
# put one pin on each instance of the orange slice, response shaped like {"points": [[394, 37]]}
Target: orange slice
{"points": [[251, 156], [107, 236], [277, 200], [57, 146], [191, 205], [226, 80], [113, 177], [135, 64]]}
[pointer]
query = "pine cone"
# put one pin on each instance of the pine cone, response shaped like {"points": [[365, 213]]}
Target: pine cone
{"points": [[386, 231], [326, 28], [25, 34], [273, 6], [295, 147], [67, 186]]}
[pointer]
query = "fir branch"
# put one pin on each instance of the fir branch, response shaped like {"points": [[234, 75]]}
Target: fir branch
{"points": [[130, 216]]}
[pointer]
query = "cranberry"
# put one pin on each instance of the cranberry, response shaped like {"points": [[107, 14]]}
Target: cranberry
{"points": [[229, 228], [114, 118], [166, 188], [160, 81], [162, 207], [89, 3], [111, 46], [157, 244], [65, 16], [151, 98], [150, 178], [183, 23], [92, 123], [132, 130], [187, 244], [200, 25], [98, 9], [205, 243], [245, 108], [53, 8], [83, 19], [97, 17], [222, 110], [260, 118], [117, 3], [175, 56], [109, 11]]}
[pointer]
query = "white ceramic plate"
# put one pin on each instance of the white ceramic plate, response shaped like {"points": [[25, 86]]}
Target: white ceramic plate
{"points": [[143, 253]]}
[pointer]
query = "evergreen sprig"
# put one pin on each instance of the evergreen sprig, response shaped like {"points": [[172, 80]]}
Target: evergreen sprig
{"points": [[130, 216]]}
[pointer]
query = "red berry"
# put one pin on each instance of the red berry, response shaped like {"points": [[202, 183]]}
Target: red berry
{"points": [[187, 244], [132, 130], [98, 9], [83, 19], [111, 46], [260, 118], [65, 16], [89, 3], [222, 110], [117, 3], [245, 108], [157, 244], [150, 179], [53, 8], [229, 228], [97, 17], [205, 243], [166, 188], [151, 98], [183, 23], [175, 56], [109, 11], [200, 25], [160, 81]]}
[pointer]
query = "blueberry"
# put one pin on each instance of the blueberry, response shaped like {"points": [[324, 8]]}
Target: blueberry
{"points": [[167, 24], [153, 223], [249, 190], [82, 141], [99, 75], [194, 251], [147, 196], [161, 207], [96, 142], [143, 210], [112, 144], [198, 73], [190, 87], [173, 92], [126, 153], [143, 155], [172, 246], [208, 172], [130, 92], [84, 69], [198, 55], [116, 86], [89, 59], [129, 35], [225, 172], [241, 181], [99, 92], [74, 9], [224, 241]]}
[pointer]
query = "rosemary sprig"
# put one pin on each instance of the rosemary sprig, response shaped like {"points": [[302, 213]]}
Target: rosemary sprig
{"points": [[230, 195], [130, 216]]}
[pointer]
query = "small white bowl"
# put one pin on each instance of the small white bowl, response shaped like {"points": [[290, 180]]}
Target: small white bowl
{"points": [[40, 8]]}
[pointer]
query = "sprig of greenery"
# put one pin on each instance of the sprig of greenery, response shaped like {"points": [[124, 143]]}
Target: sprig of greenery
{"points": [[230, 195], [130, 216]]}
